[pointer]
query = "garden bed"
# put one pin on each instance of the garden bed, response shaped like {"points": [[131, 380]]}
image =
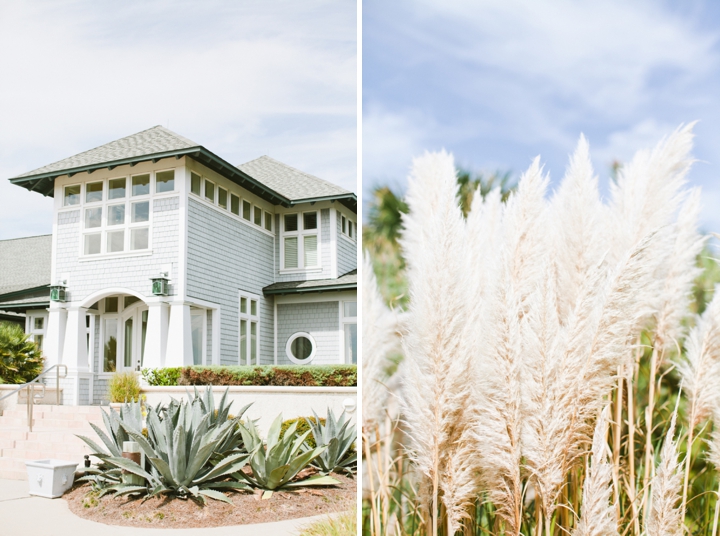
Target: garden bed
{"points": [[247, 507]]}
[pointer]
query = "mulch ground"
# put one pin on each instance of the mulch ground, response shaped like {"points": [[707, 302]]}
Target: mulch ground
{"points": [[164, 512]]}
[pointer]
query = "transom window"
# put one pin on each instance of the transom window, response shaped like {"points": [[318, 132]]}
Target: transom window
{"points": [[300, 240], [116, 212], [249, 330], [226, 200]]}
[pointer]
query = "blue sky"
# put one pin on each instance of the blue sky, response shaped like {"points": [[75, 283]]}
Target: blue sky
{"points": [[241, 78], [498, 82]]}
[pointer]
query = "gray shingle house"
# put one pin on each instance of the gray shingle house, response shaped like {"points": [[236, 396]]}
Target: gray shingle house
{"points": [[164, 254]]}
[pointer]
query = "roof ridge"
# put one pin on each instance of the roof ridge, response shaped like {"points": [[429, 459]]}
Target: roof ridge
{"points": [[24, 237]]}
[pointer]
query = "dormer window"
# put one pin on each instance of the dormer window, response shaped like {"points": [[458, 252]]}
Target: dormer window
{"points": [[300, 241]]}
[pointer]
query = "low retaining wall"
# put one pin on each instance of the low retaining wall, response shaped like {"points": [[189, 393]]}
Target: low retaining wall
{"points": [[270, 401]]}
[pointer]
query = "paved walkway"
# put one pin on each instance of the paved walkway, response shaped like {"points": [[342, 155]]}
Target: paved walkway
{"points": [[23, 515]]}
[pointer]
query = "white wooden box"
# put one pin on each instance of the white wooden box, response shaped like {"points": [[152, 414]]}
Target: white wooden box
{"points": [[50, 478]]}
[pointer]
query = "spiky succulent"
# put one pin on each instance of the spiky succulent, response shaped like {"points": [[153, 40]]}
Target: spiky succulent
{"points": [[338, 435], [275, 463]]}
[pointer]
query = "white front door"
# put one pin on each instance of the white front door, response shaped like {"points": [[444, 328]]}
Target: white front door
{"points": [[132, 337]]}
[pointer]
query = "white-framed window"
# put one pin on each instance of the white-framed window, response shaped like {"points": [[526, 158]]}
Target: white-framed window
{"points": [[348, 313], [225, 199], [300, 240], [71, 195], [301, 348], [348, 227], [116, 213], [249, 338], [37, 325]]}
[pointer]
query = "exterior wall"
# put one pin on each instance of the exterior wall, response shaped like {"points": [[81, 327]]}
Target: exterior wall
{"points": [[320, 320], [225, 256], [346, 252]]}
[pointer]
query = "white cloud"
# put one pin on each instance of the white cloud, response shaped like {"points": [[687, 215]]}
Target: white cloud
{"points": [[242, 79], [602, 53]]}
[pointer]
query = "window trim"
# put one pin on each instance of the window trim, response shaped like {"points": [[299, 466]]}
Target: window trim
{"points": [[251, 319], [301, 233], [345, 233], [288, 348]]}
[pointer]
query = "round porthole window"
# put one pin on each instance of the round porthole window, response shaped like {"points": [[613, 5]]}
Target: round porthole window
{"points": [[300, 348]]}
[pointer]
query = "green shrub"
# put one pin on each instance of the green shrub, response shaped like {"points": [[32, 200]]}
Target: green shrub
{"points": [[20, 359], [272, 375], [302, 427], [124, 387], [162, 376]]}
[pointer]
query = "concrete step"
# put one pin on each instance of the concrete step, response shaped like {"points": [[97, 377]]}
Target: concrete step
{"points": [[49, 424], [53, 436], [48, 414]]}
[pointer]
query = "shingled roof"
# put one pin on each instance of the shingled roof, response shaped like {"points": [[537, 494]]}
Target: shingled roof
{"points": [[273, 181], [288, 181], [25, 263], [151, 141]]}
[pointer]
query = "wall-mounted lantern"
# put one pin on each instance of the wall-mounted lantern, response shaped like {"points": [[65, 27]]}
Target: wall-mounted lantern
{"points": [[160, 284], [58, 292]]}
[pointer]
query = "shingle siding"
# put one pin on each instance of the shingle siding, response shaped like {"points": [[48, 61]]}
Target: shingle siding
{"points": [[347, 251], [225, 256], [321, 320]]}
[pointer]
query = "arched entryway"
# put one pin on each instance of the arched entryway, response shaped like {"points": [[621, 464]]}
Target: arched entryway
{"points": [[121, 323]]}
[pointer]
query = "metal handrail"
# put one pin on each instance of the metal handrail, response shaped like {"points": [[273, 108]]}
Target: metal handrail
{"points": [[30, 386]]}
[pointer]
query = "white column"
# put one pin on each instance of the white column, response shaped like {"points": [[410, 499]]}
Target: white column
{"points": [[157, 335], [216, 336], [179, 345], [333, 244], [54, 336], [75, 346]]}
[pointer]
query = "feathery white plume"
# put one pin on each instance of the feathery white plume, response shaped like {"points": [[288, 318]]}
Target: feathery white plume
{"points": [[700, 370], [577, 215], [683, 270], [436, 392], [496, 343], [379, 343], [598, 513], [664, 517], [645, 196]]}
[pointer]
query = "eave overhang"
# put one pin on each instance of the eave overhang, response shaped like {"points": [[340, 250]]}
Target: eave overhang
{"points": [[349, 200], [44, 183], [307, 290]]}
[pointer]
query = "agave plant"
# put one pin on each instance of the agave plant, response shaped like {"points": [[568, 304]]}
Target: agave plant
{"points": [[131, 415], [338, 436], [276, 463], [189, 450]]}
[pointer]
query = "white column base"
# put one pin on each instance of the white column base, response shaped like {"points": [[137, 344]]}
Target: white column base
{"points": [[179, 344]]}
